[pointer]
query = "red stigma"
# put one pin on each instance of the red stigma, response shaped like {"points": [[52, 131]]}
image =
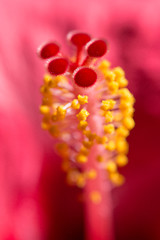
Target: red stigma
{"points": [[96, 48], [57, 66], [48, 50], [80, 66], [79, 39], [85, 77]]}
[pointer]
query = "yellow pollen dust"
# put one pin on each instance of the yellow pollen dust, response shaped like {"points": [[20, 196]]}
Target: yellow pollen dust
{"points": [[109, 116], [82, 115], [81, 158], [121, 160], [108, 104], [75, 104], [111, 166], [82, 125], [82, 99], [109, 129]]}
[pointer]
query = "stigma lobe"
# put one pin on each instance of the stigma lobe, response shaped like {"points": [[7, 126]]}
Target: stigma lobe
{"points": [[57, 66], [85, 77], [96, 48], [48, 50], [79, 39]]}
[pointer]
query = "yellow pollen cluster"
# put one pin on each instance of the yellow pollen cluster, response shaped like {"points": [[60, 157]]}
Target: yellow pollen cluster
{"points": [[67, 117], [82, 115], [117, 111], [108, 105]]}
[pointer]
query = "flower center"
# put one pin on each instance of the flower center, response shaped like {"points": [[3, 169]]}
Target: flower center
{"points": [[81, 117]]}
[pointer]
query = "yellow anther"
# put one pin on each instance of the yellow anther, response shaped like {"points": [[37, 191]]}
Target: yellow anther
{"points": [[44, 109], [122, 82], [108, 104], [82, 125], [109, 129], [82, 99], [83, 150], [128, 122], [91, 174], [47, 101], [53, 83], [111, 167], [91, 136], [82, 115], [75, 104], [47, 79], [45, 91], [125, 93], [116, 178], [109, 76], [81, 181], [113, 87], [110, 146], [101, 140], [128, 112], [108, 116], [125, 104], [81, 158], [100, 158], [104, 65], [119, 72], [50, 81], [121, 160], [45, 126], [60, 79], [54, 131], [122, 131], [88, 144], [95, 197], [122, 146], [54, 117], [61, 112]]}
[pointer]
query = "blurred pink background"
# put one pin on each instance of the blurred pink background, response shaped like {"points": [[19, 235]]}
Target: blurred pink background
{"points": [[35, 202]]}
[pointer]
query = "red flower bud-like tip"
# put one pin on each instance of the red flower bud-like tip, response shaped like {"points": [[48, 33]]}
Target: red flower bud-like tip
{"points": [[57, 65], [84, 77], [48, 50], [78, 39], [96, 48]]}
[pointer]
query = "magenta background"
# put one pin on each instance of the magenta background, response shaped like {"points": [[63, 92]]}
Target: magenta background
{"points": [[35, 203]]}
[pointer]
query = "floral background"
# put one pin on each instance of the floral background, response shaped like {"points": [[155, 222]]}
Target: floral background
{"points": [[35, 202]]}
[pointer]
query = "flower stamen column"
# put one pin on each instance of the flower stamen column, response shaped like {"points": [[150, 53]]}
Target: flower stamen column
{"points": [[88, 109]]}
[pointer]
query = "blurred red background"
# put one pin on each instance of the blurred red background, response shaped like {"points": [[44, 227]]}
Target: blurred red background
{"points": [[35, 202]]}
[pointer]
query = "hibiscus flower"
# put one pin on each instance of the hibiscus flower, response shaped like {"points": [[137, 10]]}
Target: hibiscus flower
{"points": [[32, 185]]}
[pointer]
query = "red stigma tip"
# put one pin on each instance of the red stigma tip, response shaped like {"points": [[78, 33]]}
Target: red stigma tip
{"points": [[48, 50], [96, 48], [57, 66], [78, 39], [85, 77]]}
